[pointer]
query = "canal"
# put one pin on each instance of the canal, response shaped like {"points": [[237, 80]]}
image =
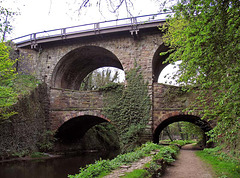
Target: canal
{"points": [[59, 167]]}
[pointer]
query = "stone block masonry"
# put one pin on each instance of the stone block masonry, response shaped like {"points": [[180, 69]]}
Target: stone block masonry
{"points": [[22, 132]]}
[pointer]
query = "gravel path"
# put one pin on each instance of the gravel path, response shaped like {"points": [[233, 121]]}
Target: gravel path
{"points": [[188, 165]]}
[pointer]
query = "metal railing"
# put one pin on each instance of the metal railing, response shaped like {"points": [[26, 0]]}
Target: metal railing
{"points": [[132, 21]]}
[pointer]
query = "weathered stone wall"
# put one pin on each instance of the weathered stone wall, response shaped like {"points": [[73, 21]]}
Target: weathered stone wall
{"points": [[23, 130], [124, 47], [68, 104], [168, 101]]}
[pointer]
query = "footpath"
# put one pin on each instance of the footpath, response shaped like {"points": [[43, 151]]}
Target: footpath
{"points": [[187, 165]]}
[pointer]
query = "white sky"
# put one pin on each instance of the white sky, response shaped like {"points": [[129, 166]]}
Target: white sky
{"points": [[42, 15]]}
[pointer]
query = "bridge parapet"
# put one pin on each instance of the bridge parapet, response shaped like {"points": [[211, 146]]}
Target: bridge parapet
{"points": [[132, 24]]}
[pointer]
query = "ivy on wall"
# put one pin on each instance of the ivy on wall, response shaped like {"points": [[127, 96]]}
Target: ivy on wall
{"points": [[128, 107]]}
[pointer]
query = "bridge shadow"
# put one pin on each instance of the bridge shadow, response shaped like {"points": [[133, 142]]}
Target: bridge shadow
{"points": [[86, 133]]}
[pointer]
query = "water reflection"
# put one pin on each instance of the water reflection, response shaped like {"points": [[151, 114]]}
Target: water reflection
{"points": [[50, 168]]}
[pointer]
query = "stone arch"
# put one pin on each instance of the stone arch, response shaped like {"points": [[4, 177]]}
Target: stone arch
{"points": [[78, 63], [157, 62], [170, 118], [77, 126]]}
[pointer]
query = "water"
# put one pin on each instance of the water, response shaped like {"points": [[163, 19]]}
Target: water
{"points": [[50, 168]]}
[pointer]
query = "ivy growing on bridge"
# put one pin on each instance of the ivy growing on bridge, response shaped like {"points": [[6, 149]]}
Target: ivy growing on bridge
{"points": [[128, 108]]}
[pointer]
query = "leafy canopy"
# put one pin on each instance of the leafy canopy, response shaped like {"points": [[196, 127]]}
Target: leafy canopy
{"points": [[7, 75], [205, 36]]}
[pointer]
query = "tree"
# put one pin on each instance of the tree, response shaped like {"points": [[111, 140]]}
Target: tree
{"points": [[7, 75], [114, 6], [99, 78], [205, 36], [7, 70], [5, 19]]}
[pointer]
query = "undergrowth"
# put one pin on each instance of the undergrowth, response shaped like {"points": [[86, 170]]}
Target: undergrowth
{"points": [[103, 167], [223, 165], [24, 84]]}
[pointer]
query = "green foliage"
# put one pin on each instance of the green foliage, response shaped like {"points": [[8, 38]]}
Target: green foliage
{"points": [[129, 109], [99, 79], [24, 84], [166, 153], [204, 35], [20, 154], [183, 130], [223, 164], [182, 142], [7, 75], [137, 173], [105, 134], [47, 140], [105, 166], [37, 155]]}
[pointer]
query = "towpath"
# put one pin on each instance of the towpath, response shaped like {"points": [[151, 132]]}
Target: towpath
{"points": [[188, 165]]}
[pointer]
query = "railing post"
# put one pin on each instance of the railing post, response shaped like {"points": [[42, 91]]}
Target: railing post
{"points": [[63, 33], [97, 28], [134, 29], [33, 38]]}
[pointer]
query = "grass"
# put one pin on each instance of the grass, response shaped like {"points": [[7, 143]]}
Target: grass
{"points": [[222, 164], [137, 173]]}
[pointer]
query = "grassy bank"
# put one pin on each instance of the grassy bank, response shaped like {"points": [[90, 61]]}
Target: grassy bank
{"points": [[165, 154], [223, 165]]}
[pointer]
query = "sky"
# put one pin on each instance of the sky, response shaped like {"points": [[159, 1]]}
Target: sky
{"points": [[42, 15]]}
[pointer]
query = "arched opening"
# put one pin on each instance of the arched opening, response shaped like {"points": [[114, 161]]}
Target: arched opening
{"points": [[76, 128], [157, 63], [102, 77], [78, 63], [205, 126], [86, 133]]}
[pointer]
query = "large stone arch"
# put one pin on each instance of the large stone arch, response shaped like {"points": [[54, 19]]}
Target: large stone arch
{"points": [[157, 62], [172, 117], [73, 67], [78, 125]]}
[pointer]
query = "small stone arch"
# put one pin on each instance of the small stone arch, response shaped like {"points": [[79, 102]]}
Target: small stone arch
{"points": [[178, 116], [77, 124], [73, 67]]}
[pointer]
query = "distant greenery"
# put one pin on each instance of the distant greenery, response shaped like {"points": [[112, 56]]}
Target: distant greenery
{"points": [[223, 164], [182, 130], [205, 36], [104, 167], [100, 78], [182, 142]]}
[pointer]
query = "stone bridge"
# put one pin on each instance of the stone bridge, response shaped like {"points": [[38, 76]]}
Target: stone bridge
{"points": [[64, 59]]}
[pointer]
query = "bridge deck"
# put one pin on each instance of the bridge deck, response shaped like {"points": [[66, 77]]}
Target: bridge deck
{"points": [[133, 25]]}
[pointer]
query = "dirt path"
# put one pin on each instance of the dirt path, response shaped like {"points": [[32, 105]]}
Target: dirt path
{"points": [[188, 165]]}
